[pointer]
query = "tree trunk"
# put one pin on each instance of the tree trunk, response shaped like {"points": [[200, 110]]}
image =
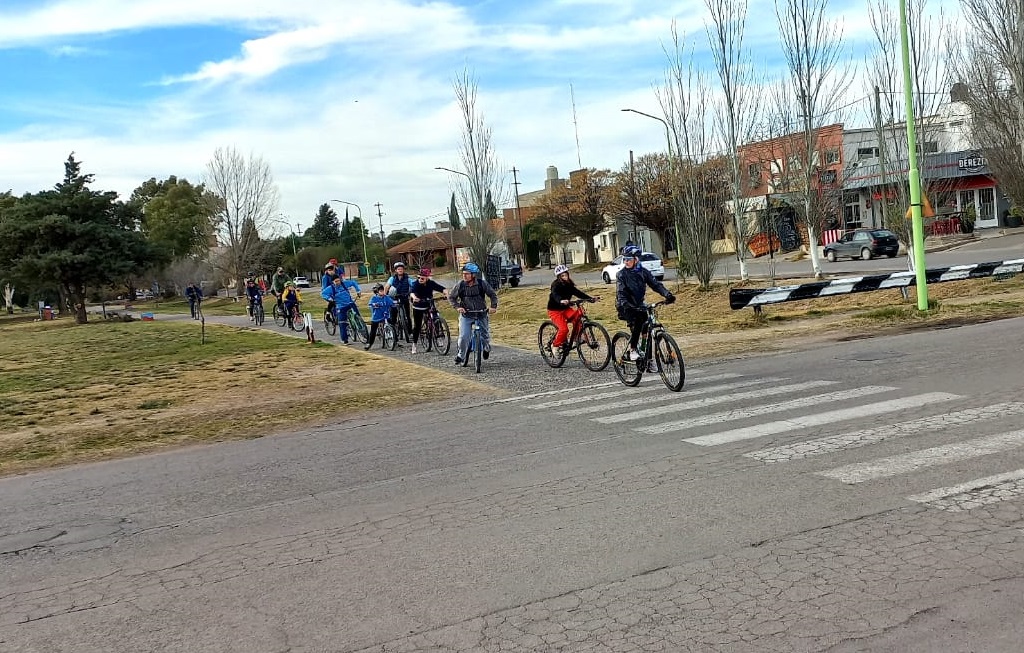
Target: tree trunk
{"points": [[590, 250], [77, 296]]}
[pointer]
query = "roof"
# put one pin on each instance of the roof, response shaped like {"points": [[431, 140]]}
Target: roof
{"points": [[438, 240]]}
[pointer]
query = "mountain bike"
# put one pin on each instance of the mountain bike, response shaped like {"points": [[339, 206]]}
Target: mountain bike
{"points": [[330, 322], [280, 319], [401, 322], [298, 321], [476, 345], [666, 357], [436, 331], [590, 340], [388, 335], [357, 326], [256, 310], [197, 309]]}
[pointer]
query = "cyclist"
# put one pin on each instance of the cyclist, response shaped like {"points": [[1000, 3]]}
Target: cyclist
{"points": [[563, 289], [470, 294], [632, 282], [277, 283], [401, 283], [420, 292], [291, 299], [338, 295], [380, 307], [252, 292], [194, 294], [331, 272]]}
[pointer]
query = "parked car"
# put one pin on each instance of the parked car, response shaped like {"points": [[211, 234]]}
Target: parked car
{"points": [[301, 282], [865, 244], [647, 259], [510, 274]]}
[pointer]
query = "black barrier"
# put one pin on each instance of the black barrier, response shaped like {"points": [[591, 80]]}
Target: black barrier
{"points": [[754, 297]]}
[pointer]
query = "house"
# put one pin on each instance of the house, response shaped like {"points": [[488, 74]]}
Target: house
{"points": [[433, 250]]}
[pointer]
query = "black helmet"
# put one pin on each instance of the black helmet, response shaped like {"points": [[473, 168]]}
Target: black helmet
{"points": [[631, 251]]}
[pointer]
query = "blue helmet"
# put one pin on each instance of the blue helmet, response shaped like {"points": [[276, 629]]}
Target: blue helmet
{"points": [[631, 251], [471, 267]]}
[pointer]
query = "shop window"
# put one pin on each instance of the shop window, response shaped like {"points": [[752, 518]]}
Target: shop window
{"points": [[867, 153]]}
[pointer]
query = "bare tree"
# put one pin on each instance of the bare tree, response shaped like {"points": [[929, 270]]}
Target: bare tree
{"points": [[735, 111], [993, 66], [248, 201], [483, 176], [642, 194], [580, 208], [812, 45], [9, 297], [684, 100]]}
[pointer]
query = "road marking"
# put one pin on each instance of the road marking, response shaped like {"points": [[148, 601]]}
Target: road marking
{"points": [[903, 463], [711, 401], [640, 401], [744, 413], [856, 439], [548, 393], [603, 395], [979, 492]]}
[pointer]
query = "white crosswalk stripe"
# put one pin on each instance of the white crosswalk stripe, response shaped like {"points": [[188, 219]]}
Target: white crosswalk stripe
{"points": [[711, 401], [746, 413], [904, 463], [643, 401], [569, 401], [856, 439], [828, 417], [972, 494]]}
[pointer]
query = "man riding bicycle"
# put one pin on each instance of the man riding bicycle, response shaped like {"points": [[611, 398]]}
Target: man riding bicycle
{"points": [[402, 284], [338, 295], [252, 292], [563, 289], [632, 282], [277, 283], [470, 296]]}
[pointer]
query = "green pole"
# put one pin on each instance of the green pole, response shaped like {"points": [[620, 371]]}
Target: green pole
{"points": [[917, 222]]}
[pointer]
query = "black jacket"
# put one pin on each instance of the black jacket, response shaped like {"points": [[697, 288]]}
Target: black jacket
{"points": [[564, 290], [631, 286]]}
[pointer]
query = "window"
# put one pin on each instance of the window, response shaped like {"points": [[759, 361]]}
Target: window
{"points": [[831, 156], [851, 215], [754, 174], [604, 241], [867, 153], [928, 147]]}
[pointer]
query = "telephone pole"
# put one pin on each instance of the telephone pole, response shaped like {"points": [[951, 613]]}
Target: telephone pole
{"points": [[383, 243], [519, 219]]}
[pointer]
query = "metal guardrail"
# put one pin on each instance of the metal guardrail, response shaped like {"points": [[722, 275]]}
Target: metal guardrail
{"points": [[756, 297]]}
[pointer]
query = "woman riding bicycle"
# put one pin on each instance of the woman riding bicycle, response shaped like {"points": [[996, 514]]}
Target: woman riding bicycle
{"points": [[470, 296], [563, 289], [420, 292], [632, 282]]}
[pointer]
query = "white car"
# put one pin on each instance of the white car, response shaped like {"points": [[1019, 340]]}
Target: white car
{"points": [[648, 260], [301, 282]]}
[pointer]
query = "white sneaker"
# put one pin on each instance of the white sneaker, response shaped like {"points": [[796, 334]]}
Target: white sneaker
{"points": [[414, 347], [633, 355]]}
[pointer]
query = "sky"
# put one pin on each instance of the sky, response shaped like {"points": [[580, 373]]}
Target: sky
{"points": [[345, 99]]}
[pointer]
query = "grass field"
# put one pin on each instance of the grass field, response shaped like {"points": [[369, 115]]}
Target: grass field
{"points": [[70, 393]]}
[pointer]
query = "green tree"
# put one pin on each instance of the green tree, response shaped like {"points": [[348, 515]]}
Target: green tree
{"points": [[399, 237], [353, 235], [76, 237], [176, 215], [325, 229], [453, 215]]}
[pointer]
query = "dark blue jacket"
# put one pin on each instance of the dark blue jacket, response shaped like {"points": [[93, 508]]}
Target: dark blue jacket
{"points": [[631, 286]]}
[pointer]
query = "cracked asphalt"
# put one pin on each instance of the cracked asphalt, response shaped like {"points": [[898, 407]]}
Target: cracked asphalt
{"points": [[496, 523]]}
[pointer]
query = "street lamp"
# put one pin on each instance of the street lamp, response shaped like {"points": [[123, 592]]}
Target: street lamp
{"points": [[451, 231], [362, 234], [672, 170], [295, 253]]}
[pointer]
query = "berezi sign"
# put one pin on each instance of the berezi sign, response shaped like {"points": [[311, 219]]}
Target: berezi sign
{"points": [[973, 162]]}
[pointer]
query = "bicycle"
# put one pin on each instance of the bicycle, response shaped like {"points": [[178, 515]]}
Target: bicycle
{"points": [[401, 322], [256, 311], [476, 345], [589, 339], [280, 318], [197, 310], [298, 321], [330, 322], [357, 326], [388, 335], [667, 358], [435, 328]]}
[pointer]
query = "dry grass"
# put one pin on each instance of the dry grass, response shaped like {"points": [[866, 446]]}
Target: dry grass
{"points": [[71, 393]]}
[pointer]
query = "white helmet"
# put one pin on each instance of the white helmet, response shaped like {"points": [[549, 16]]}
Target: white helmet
{"points": [[392, 292], [559, 269]]}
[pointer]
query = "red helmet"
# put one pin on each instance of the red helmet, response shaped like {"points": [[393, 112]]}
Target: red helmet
{"points": [[424, 272]]}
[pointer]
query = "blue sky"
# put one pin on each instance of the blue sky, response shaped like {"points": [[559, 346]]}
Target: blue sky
{"points": [[345, 99]]}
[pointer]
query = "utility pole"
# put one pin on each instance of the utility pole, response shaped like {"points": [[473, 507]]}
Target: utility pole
{"points": [[298, 230], [383, 243], [519, 219], [881, 155]]}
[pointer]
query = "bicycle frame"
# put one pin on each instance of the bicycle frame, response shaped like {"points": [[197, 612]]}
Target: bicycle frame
{"points": [[475, 341]]}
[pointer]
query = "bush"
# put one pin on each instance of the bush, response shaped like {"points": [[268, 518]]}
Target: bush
{"points": [[440, 261]]}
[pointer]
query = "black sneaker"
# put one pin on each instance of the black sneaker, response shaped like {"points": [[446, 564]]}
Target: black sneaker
{"points": [[487, 354], [458, 360]]}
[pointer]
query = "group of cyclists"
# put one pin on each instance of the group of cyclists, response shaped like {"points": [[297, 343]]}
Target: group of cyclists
{"points": [[472, 297]]}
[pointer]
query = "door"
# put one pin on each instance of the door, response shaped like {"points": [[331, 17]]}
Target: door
{"points": [[986, 208]]}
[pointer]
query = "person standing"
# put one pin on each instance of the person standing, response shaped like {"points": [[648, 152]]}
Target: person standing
{"points": [[470, 295], [401, 283], [420, 293]]}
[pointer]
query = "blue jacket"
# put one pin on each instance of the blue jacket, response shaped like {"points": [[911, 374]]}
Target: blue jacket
{"points": [[631, 286], [381, 307], [327, 280], [339, 294], [400, 284]]}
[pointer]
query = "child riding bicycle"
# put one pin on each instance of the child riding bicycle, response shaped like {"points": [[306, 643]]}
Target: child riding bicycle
{"points": [[563, 289]]}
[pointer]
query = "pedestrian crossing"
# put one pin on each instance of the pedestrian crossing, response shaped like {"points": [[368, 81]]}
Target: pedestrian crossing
{"points": [[817, 418]]}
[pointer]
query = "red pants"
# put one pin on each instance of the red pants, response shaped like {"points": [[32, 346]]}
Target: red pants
{"points": [[562, 319]]}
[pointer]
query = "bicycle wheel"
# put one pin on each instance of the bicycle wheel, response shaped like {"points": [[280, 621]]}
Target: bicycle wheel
{"points": [[330, 323], [298, 321], [388, 336], [627, 371], [442, 337], [258, 315], [670, 361], [279, 316], [545, 336], [594, 346], [359, 330]]}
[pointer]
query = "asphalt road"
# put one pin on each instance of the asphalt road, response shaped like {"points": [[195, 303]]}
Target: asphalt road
{"points": [[864, 496]]}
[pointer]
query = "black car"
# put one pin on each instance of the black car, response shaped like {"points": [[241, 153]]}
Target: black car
{"points": [[510, 274], [865, 244]]}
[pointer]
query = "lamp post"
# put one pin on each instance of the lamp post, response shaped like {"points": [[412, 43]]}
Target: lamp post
{"points": [[295, 253], [914, 175], [451, 231], [672, 170], [362, 234]]}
